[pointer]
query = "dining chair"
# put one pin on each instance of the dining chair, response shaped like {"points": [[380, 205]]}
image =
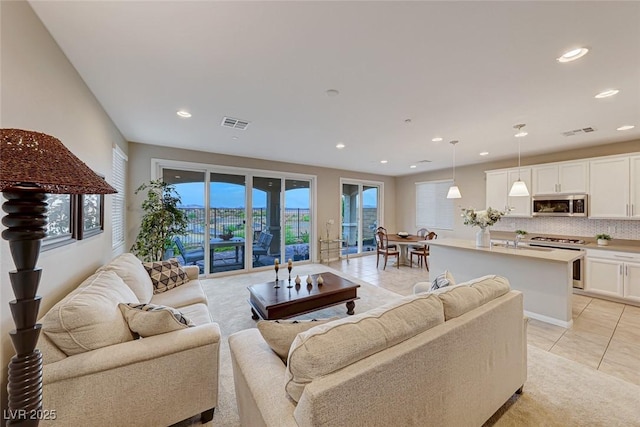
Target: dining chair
{"points": [[382, 241], [391, 246], [190, 256], [423, 252], [422, 232]]}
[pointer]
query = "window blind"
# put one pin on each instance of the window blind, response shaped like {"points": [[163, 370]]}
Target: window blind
{"points": [[118, 199], [433, 209]]}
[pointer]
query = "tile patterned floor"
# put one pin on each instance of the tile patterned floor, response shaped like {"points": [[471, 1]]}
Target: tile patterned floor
{"points": [[605, 335]]}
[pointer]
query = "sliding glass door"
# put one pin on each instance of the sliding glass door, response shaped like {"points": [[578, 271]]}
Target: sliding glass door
{"points": [[361, 214], [251, 218]]}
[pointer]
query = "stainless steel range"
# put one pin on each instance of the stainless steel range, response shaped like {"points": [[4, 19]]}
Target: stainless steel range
{"points": [[552, 242]]}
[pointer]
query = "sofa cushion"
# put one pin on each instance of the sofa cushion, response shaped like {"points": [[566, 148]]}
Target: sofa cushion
{"points": [[165, 275], [187, 294], [279, 334], [198, 313], [130, 269], [470, 295], [148, 320], [88, 318], [332, 346]]}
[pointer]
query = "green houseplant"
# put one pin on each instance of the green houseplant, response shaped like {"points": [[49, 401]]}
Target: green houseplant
{"points": [[603, 239], [161, 222]]}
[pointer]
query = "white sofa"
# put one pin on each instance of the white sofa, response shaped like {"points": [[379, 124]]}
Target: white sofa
{"points": [[153, 381], [448, 358]]}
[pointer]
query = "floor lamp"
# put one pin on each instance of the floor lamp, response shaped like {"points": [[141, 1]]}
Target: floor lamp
{"points": [[31, 165]]}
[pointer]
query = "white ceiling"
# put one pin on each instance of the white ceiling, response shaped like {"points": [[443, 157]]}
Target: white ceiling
{"points": [[459, 70]]}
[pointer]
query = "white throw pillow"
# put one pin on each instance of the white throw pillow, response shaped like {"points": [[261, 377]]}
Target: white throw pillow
{"points": [[130, 269], [88, 318], [148, 320]]}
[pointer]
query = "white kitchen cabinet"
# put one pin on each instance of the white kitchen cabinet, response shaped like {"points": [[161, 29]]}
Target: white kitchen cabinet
{"points": [[609, 180], [498, 185], [613, 273], [634, 190], [560, 178]]}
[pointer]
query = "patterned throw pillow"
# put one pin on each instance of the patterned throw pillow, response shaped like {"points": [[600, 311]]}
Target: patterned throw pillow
{"points": [[165, 275], [150, 319], [279, 334], [442, 280]]}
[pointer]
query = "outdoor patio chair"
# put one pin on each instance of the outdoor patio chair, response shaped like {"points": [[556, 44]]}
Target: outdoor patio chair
{"points": [[190, 256], [261, 247]]}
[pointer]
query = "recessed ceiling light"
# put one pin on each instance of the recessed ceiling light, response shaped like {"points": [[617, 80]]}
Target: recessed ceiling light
{"points": [[332, 92], [625, 127], [607, 93], [521, 134], [340, 146], [412, 166], [484, 153], [234, 137], [573, 54], [384, 161], [436, 139], [183, 113]]}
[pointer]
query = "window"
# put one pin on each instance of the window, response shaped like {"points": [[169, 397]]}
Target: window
{"points": [[433, 209], [90, 215], [61, 226], [118, 199]]}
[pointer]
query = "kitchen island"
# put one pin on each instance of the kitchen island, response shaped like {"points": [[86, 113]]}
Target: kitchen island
{"points": [[543, 275]]}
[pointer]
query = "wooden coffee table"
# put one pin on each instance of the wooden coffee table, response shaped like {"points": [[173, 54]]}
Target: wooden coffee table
{"points": [[272, 303]]}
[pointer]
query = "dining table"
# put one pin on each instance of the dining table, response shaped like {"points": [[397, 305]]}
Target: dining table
{"points": [[217, 242], [403, 243]]}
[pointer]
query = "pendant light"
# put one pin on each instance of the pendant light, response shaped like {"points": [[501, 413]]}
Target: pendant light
{"points": [[519, 188], [454, 191]]}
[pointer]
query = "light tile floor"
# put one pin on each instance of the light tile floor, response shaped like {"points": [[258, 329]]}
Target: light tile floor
{"points": [[605, 335]]}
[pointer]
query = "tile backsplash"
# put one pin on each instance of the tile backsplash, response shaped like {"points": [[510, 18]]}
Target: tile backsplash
{"points": [[579, 227]]}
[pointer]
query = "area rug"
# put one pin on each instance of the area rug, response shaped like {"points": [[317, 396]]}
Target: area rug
{"points": [[558, 392]]}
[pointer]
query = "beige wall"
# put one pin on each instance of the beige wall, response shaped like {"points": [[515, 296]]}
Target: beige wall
{"points": [[471, 181], [42, 91], [328, 181]]}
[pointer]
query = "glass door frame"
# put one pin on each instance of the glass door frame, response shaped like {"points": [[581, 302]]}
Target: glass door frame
{"points": [[157, 165], [380, 207]]}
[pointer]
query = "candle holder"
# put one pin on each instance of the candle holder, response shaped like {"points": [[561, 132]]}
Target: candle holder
{"points": [[276, 267]]}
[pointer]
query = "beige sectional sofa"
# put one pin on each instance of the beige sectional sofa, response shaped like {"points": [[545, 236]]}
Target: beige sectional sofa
{"points": [[96, 373], [447, 358]]}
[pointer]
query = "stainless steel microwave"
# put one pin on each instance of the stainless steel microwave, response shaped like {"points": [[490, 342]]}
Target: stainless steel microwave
{"points": [[560, 205]]}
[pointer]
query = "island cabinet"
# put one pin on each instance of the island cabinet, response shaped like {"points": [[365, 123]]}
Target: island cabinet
{"points": [[498, 185], [560, 178], [614, 187], [613, 274]]}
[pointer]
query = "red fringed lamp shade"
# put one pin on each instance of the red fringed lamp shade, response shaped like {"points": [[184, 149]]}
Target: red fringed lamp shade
{"points": [[28, 157], [32, 164]]}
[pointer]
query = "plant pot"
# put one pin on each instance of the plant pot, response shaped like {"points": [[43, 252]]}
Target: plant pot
{"points": [[603, 242], [226, 236]]}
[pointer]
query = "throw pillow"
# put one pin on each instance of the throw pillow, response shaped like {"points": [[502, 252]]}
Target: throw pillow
{"points": [[149, 319], [279, 334], [88, 318], [442, 280], [166, 275]]}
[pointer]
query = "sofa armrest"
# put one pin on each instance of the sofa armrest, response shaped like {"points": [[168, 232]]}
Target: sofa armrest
{"points": [[258, 375], [131, 352], [193, 271], [153, 381]]}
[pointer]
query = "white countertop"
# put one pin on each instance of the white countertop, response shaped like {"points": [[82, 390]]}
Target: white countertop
{"points": [[557, 255]]}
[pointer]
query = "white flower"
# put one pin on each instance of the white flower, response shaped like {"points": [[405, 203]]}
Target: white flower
{"points": [[482, 219]]}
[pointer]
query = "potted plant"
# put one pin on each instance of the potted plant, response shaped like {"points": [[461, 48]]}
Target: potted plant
{"points": [[227, 233], [603, 239], [161, 222]]}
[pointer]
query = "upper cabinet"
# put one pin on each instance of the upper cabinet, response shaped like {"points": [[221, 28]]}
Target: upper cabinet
{"points": [[613, 189], [561, 178], [497, 191]]}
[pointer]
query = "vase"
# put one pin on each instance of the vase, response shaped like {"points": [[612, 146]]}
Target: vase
{"points": [[483, 238]]}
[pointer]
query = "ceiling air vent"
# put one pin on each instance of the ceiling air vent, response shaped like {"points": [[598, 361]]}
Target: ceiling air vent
{"points": [[579, 131], [232, 123]]}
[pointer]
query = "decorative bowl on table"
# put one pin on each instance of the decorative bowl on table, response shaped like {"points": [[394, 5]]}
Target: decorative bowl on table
{"points": [[403, 234], [227, 236]]}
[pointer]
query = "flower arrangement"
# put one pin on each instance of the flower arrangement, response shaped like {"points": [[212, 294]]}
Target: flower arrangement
{"points": [[482, 219]]}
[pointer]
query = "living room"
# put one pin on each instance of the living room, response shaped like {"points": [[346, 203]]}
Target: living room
{"points": [[42, 90]]}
